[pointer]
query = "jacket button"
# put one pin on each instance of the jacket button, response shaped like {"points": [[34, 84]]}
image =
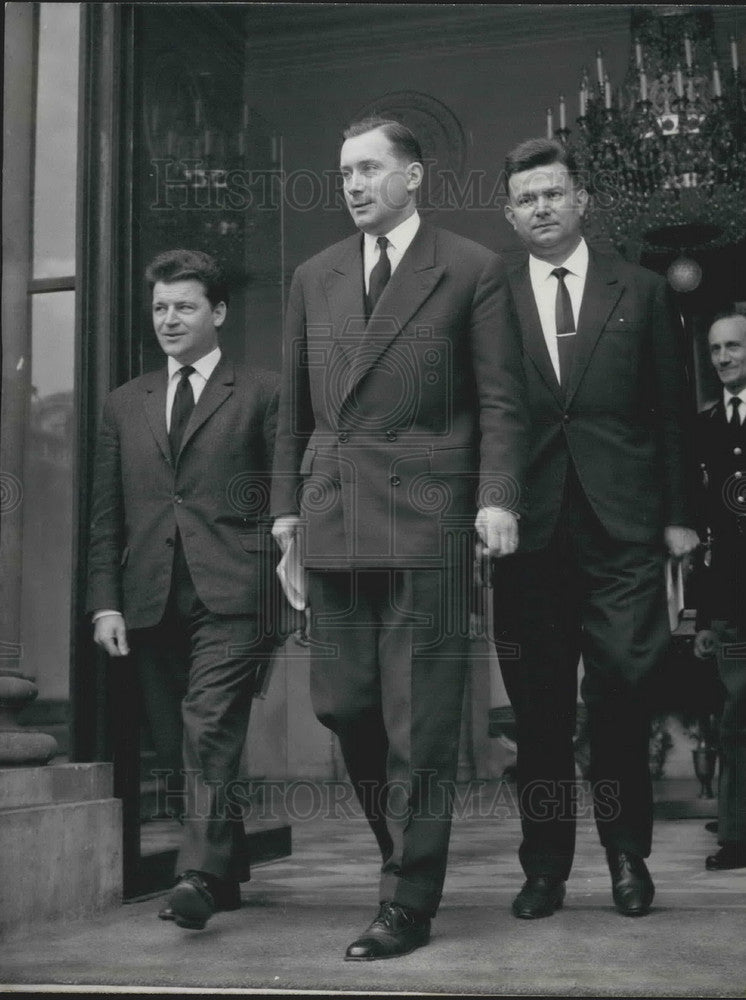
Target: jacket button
{"points": [[177, 498], [395, 481], [566, 417], [170, 542], [737, 451], [738, 474], [391, 435], [343, 437]]}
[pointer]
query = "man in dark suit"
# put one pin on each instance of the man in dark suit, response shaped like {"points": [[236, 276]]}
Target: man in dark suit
{"points": [[721, 580], [606, 498], [401, 413], [180, 552]]}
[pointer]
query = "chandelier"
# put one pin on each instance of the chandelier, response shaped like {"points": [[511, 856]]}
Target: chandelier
{"points": [[663, 155]]}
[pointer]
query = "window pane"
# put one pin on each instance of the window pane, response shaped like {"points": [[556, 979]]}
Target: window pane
{"points": [[47, 496], [56, 140]]}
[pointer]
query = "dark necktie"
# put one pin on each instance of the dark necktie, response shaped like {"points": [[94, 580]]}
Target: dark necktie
{"points": [[565, 323], [735, 417], [181, 410], [379, 275]]}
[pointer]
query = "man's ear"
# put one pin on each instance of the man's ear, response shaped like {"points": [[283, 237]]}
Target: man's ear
{"points": [[414, 173], [583, 200], [219, 313], [510, 214]]}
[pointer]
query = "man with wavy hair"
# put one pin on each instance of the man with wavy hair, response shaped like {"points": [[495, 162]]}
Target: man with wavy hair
{"points": [[180, 560]]}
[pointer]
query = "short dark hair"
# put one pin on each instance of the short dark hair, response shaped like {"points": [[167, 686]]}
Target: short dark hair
{"points": [[405, 142], [185, 265], [540, 153]]}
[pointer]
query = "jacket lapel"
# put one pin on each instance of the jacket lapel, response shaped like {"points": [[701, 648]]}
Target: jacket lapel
{"points": [[533, 336], [343, 284], [601, 293], [155, 384], [410, 285], [723, 413], [219, 387]]}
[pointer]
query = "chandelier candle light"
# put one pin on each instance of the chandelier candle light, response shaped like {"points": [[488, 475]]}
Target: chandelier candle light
{"points": [[666, 160]]}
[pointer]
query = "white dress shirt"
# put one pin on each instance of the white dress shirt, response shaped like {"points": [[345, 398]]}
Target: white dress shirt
{"points": [[544, 285], [727, 396], [399, 239], [203, 369]]}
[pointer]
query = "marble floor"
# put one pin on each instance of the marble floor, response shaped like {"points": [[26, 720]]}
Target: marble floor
{"points": [[300, 912]]}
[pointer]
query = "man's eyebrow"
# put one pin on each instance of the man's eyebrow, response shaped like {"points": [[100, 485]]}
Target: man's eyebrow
{"points": [[369, 162]]}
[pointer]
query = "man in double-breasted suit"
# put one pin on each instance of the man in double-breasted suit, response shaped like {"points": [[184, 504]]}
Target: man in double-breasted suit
{"points": [[721, 580], [401, 417], [180, 561], [606, 500]]}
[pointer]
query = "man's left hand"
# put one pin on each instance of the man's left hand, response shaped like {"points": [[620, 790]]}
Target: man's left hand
{"points": [[498, 529], [680, 541]]}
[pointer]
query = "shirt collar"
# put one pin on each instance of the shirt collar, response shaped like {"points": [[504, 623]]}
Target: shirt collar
{"points": [[727, 396], [576, 263], [399, 237], [204, 366]]}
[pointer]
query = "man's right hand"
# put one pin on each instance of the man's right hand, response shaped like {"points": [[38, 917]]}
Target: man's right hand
{"points": [[705, 644], [284, 530], [110, 632]]}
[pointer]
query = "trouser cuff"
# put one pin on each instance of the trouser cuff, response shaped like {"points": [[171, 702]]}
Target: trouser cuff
{"points": [[417, 896]]}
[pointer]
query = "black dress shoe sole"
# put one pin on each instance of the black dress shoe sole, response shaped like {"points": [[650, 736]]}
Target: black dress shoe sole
{"points": [[191, 910], [639, 909], [635, 911], [391, 954], [547, 905], [233, 902], [536, 913], [724, 867]]}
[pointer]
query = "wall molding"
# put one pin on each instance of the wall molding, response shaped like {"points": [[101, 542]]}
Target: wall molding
{"points": [[326, 36]]}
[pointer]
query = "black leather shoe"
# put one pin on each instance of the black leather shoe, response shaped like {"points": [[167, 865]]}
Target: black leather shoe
{"points": [[712, 826], [396, 930], [226, 896], [631, 884], [196, 896], [730, 855], [540, 896]]}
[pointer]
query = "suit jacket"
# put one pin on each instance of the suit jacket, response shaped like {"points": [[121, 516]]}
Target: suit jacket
{"points": [[622, 419], [720, 583], [216, 494], [392, 431]]}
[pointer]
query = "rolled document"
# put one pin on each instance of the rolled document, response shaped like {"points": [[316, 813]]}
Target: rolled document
{"points": [[292, 576]]}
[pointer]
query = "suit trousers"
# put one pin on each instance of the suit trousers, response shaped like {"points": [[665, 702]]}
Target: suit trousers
{"points": [[389, 651], [585, 593], [197, 672], [731, 661]]}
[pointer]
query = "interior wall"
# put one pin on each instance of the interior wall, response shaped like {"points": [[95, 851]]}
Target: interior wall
{"points": [[499, 94]]}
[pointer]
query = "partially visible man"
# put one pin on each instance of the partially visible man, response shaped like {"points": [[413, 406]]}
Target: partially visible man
{"points": [[721, 579], [402, 416], [606, 500], [179, 564]]}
